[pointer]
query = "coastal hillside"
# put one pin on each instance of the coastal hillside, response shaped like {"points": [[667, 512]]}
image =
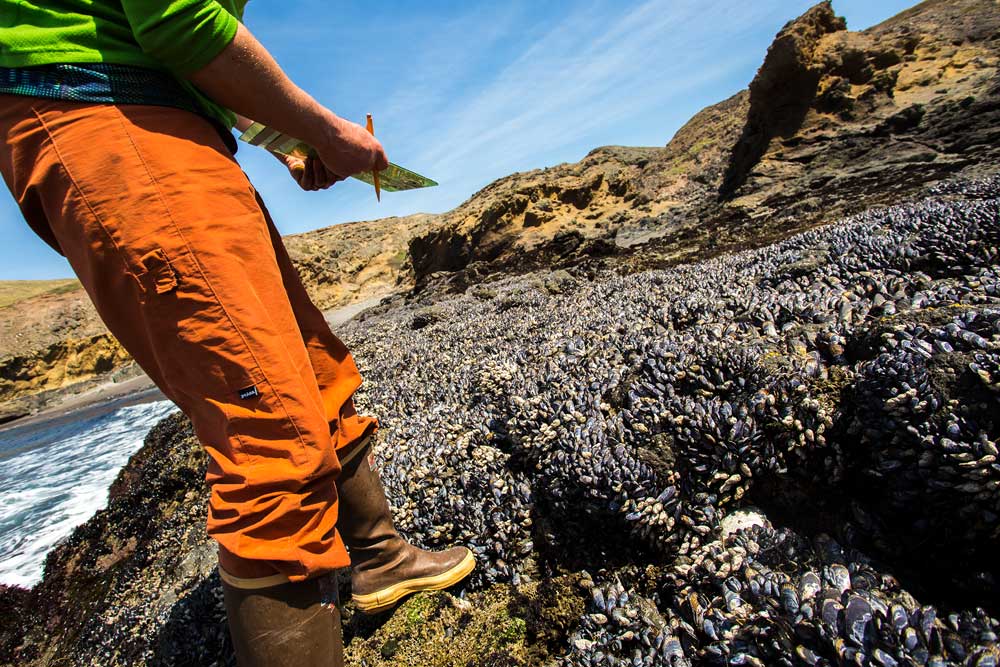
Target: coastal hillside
{"points": [[53, 344], [834, 122], [12, 291], [51, 340]]}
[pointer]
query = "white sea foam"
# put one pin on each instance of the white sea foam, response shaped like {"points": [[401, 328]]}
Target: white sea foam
{"points": [[54, 479]]}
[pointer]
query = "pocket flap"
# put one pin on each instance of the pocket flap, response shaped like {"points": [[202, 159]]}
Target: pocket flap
{"points": [[159, 270]]}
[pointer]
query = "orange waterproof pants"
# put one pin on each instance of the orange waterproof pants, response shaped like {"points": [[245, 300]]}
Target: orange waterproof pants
{"points": [[186, 268]]}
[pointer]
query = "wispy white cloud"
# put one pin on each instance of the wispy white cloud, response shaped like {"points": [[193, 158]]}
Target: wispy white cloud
{"points": [[587, 72], [469, 92], [600, 66]]}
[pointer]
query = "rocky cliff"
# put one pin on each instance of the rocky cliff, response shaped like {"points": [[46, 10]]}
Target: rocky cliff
{"points": [[834, 122], [137, 585], [357, 261], [48, 341]]}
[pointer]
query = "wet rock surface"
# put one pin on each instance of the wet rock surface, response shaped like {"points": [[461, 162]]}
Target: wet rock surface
{"points": [[844, 381], [785, 456]]}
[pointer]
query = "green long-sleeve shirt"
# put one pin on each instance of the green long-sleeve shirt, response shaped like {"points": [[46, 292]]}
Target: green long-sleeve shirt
{"points": [[178, 36]]}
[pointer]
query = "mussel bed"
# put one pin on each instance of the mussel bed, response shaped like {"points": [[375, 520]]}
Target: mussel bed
{"points": [[783, 456]]}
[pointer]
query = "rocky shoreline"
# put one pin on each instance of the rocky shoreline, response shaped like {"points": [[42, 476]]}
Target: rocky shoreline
{"points": [[730, 402], [833, 123], [589, 434]]}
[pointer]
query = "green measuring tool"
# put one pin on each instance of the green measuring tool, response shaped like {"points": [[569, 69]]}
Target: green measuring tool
{"points": [[392, 179]]}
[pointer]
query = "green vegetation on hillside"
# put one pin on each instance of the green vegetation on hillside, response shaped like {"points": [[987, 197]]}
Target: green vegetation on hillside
{"points": [[12, 291]]}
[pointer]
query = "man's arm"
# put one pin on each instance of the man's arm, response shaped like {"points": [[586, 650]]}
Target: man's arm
{"points": [[310, 173], [242, 123], [199, 40], [245, 78]]}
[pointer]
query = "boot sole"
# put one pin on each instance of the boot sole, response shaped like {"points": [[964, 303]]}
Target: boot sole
{"points": [[379, 601]]}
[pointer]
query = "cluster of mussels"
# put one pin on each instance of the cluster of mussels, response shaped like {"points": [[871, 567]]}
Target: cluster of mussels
{"points": [[844, 380], [639, 634], [795, 602]]}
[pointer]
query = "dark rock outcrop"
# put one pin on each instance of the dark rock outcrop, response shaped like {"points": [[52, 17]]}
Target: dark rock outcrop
{"points": [[109, 590], [138, 585], [783, 91]]}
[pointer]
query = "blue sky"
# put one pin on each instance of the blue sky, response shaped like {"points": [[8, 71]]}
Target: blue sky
{"points": [[469, 92]]}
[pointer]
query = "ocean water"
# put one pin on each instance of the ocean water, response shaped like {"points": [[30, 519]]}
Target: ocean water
{"points": [[54, 476]]}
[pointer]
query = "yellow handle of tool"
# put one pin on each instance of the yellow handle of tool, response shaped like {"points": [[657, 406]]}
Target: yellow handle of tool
{"points": [[378, 187]]}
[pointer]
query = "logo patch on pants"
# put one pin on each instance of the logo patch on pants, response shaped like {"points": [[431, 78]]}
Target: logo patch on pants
{"points": [[249, 392]]}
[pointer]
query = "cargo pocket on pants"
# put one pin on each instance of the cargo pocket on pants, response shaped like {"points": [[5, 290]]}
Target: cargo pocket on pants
{"points": [[259, 423], [208, 363]]}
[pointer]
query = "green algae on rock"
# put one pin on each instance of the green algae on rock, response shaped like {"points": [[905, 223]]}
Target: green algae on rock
{"points": [[503, 626]]}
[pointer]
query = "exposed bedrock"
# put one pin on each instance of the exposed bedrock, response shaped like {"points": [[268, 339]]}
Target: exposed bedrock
{"points": [[68, 361], [833, 123], [839, 111], [784, 89]]}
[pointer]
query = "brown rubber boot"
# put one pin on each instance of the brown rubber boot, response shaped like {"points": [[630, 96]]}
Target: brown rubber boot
{"points": [[288, 625], [384, 567]]}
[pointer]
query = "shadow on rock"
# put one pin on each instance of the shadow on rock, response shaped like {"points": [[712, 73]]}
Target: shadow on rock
{"points": [[195, 633]]}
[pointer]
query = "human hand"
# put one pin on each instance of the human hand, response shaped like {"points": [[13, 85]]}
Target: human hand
{"points": [[310, 173], [350, 149]]}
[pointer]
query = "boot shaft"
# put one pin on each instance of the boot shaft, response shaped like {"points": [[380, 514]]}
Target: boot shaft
{"points": [[290, 625]]}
